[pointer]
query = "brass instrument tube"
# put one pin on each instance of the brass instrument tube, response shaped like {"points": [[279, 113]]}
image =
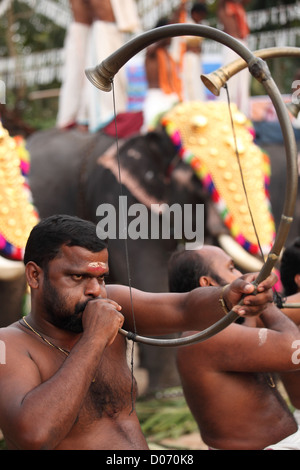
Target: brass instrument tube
{"points": [[102, 75]]}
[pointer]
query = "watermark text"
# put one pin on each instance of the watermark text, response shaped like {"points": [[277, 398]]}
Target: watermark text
{"points": [[161, 222], [296, 354], [2, 353], [296, 92], [2, 92]]}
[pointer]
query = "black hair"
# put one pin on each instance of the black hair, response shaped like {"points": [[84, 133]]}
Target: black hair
{"points": [[51, 233], [290, 266], [163, 21], [185, 267], [199, 8]]}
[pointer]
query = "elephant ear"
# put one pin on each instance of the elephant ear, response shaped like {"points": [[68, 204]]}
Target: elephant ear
{"points": [[204, 138], [17, 213]]}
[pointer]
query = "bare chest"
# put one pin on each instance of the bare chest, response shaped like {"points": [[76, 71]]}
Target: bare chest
{"points": [[113, 388]]}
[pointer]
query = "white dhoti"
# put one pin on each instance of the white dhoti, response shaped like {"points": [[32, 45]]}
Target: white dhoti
{"points": [[71, 96], [80, 101], [193, 88], [126, 14], [191, 67], [238, 85], [291, 442], [297, 416], [156, 102], [105, 39]]}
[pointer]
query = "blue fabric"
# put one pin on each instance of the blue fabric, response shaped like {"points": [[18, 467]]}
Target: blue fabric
{"points": [[270, 133]]}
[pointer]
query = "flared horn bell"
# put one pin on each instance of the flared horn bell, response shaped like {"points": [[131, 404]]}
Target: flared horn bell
{"points": [[214, 81], [99, 77]]}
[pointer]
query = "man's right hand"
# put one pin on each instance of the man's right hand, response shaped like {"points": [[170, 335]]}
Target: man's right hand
{"points": [[242, 288], [102, 317]]}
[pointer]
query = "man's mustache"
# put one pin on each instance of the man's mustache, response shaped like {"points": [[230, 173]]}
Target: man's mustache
{"points": [[80, 307]]}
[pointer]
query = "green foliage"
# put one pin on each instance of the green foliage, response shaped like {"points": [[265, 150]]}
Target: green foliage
{"points": [[23, 32], [2, 445], [165, 417]]}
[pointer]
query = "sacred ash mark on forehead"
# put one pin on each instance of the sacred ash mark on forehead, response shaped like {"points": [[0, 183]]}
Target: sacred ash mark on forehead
{"points": [[98, 266]]}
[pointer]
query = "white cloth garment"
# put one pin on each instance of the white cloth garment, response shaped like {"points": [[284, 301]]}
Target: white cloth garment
{"points": [[156, 102], [193, 88], [100, 103], [238, 85], [291, 442], [71, 96], [126, 15], [297, 416]]}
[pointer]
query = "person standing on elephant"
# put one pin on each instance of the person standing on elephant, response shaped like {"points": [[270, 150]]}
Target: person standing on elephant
{"points": [[58, 387], [164, 86], [226, 379], [186, 50], [97, 31], [233, 18]]}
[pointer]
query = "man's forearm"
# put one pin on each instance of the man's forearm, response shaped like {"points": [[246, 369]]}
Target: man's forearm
{"points": [[274, 319]]}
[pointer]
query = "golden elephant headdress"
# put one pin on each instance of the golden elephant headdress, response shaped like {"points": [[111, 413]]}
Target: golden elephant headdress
{"points": [[17, 213], [203, 135]]}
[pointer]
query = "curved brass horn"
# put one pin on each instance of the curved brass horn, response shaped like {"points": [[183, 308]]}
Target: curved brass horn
{"points": [[102, 76], [215, 80]]}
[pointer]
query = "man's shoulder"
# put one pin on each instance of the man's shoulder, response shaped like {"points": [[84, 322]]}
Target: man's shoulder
{"points": [[12, 348], [115, 289], [11, 332], [10, 329]]}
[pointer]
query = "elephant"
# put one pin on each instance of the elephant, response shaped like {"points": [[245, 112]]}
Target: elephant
{"points": [[74, 173]]}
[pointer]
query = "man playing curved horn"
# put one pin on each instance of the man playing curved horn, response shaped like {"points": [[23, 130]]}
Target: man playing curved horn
{"points": [[65, 383], [226, 379]]}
